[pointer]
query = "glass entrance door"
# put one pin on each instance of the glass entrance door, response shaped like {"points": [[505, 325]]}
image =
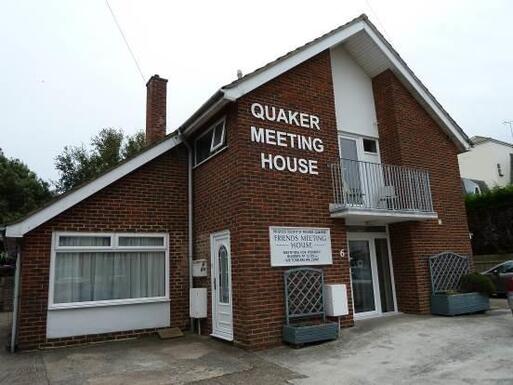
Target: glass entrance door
{"points": [[371, 274], [362, 276], [386, 289]]}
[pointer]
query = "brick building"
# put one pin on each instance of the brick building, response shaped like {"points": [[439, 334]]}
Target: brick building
{"points": [[337, 144]]}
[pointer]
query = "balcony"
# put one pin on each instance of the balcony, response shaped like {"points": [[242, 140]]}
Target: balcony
{"points": [[375, 193]]}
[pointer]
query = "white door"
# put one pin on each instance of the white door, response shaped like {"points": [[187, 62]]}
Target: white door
{"points": [[222, 315], [371, 274], [351, 173], [362, 175]]}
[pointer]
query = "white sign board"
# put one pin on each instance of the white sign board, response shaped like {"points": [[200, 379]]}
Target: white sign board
{"points": [[297, 246]]}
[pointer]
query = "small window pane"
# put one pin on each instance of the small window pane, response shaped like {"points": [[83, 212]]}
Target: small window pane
{"points": [[203, 146], [218, 137], [370, 145], [141, 241], [224, 287], [74, 241]]}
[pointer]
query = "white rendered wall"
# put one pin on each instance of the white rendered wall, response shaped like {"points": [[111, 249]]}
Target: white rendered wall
{"points": [[354, 99], [106, 319], [481, 163]]}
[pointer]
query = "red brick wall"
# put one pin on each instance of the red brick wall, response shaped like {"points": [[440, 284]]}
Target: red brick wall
{"points": [[156, 95], [282, 198], [232, 192], [217, 206], [410, 137], [150, 199]]}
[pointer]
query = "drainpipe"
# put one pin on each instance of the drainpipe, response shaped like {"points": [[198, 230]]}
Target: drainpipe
{"points": [[14, 330], [189, 214]]}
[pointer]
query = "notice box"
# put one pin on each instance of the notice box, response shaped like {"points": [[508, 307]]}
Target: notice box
{"points": [[298, 246]]}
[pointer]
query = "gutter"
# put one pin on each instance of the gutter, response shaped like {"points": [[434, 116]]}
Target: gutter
{"points": [[16, 295], [190, 239], [212, 106]]}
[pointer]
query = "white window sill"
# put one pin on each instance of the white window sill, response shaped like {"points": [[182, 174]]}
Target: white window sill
{"points": [[117, 302]]}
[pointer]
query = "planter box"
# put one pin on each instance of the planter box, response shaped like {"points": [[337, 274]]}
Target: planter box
{"points": [[460, 303], [302, 334]]}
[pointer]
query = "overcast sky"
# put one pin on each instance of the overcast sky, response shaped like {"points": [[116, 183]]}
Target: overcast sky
{"points": [[65, 71]]}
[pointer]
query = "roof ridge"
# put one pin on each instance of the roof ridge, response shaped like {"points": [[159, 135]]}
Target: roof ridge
{"points": [[479, 139], [363, 16]]}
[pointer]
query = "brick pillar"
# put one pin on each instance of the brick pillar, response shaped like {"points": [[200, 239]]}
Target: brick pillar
{"points": [[410, 137], [156, 90]]}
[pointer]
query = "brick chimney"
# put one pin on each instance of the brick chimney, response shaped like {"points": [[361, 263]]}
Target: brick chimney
{"points": [[156, 90]]}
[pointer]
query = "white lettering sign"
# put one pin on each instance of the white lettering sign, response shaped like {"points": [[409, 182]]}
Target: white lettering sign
{"points": [[286, 139], [294, 118], [296, 246]]}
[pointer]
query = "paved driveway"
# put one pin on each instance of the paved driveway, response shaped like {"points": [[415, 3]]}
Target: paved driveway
{"points": [[402, 349]]}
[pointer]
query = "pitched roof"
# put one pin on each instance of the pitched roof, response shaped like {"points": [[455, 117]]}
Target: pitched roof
{"points": [[76, 195], [352, 31], [477, 140], [351, 34]]}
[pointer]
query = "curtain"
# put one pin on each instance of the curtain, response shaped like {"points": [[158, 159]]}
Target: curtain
{"points": [[96, 276], [141, 241], [70, 240]]}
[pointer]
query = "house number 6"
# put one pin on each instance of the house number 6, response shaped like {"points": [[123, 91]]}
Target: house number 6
{"points": [[342, 253]]}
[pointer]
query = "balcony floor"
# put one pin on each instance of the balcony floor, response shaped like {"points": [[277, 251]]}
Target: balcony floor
{"points": [[360, 215]]}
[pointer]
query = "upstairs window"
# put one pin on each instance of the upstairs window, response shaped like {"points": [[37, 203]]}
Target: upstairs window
{"points": [[210, 142], [370, 145]]}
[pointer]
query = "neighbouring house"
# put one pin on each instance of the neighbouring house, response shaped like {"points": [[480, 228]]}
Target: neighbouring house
{"points": [[488, 161], [473, 186], [334, 155]]}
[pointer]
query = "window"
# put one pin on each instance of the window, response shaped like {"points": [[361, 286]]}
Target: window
{"points": [[141, 241], [96, 269], [210, 142], [507, 267], [370, 145], [224, 284], [499, 170], [85, 241]]}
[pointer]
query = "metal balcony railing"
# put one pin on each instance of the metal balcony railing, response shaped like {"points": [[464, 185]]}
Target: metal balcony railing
{"points": [[376, 186]]}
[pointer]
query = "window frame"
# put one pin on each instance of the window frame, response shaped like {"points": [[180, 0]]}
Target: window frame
{"points": [[363, 156], [502, 269], [375, 141], [114, 247], [214, 150], [213, 147], [88, 248]]}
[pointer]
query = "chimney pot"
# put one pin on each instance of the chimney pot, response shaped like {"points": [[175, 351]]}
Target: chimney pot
{"points": [[156, 92]]}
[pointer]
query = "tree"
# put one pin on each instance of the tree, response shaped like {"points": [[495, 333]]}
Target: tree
{"points": [[21, 190], [77, 164]]}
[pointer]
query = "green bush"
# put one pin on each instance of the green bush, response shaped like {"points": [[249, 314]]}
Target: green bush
{"points": [[496, 197], [477, 282]]}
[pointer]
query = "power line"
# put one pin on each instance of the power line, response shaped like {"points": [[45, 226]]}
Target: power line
{"points": [[125, 39]]}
